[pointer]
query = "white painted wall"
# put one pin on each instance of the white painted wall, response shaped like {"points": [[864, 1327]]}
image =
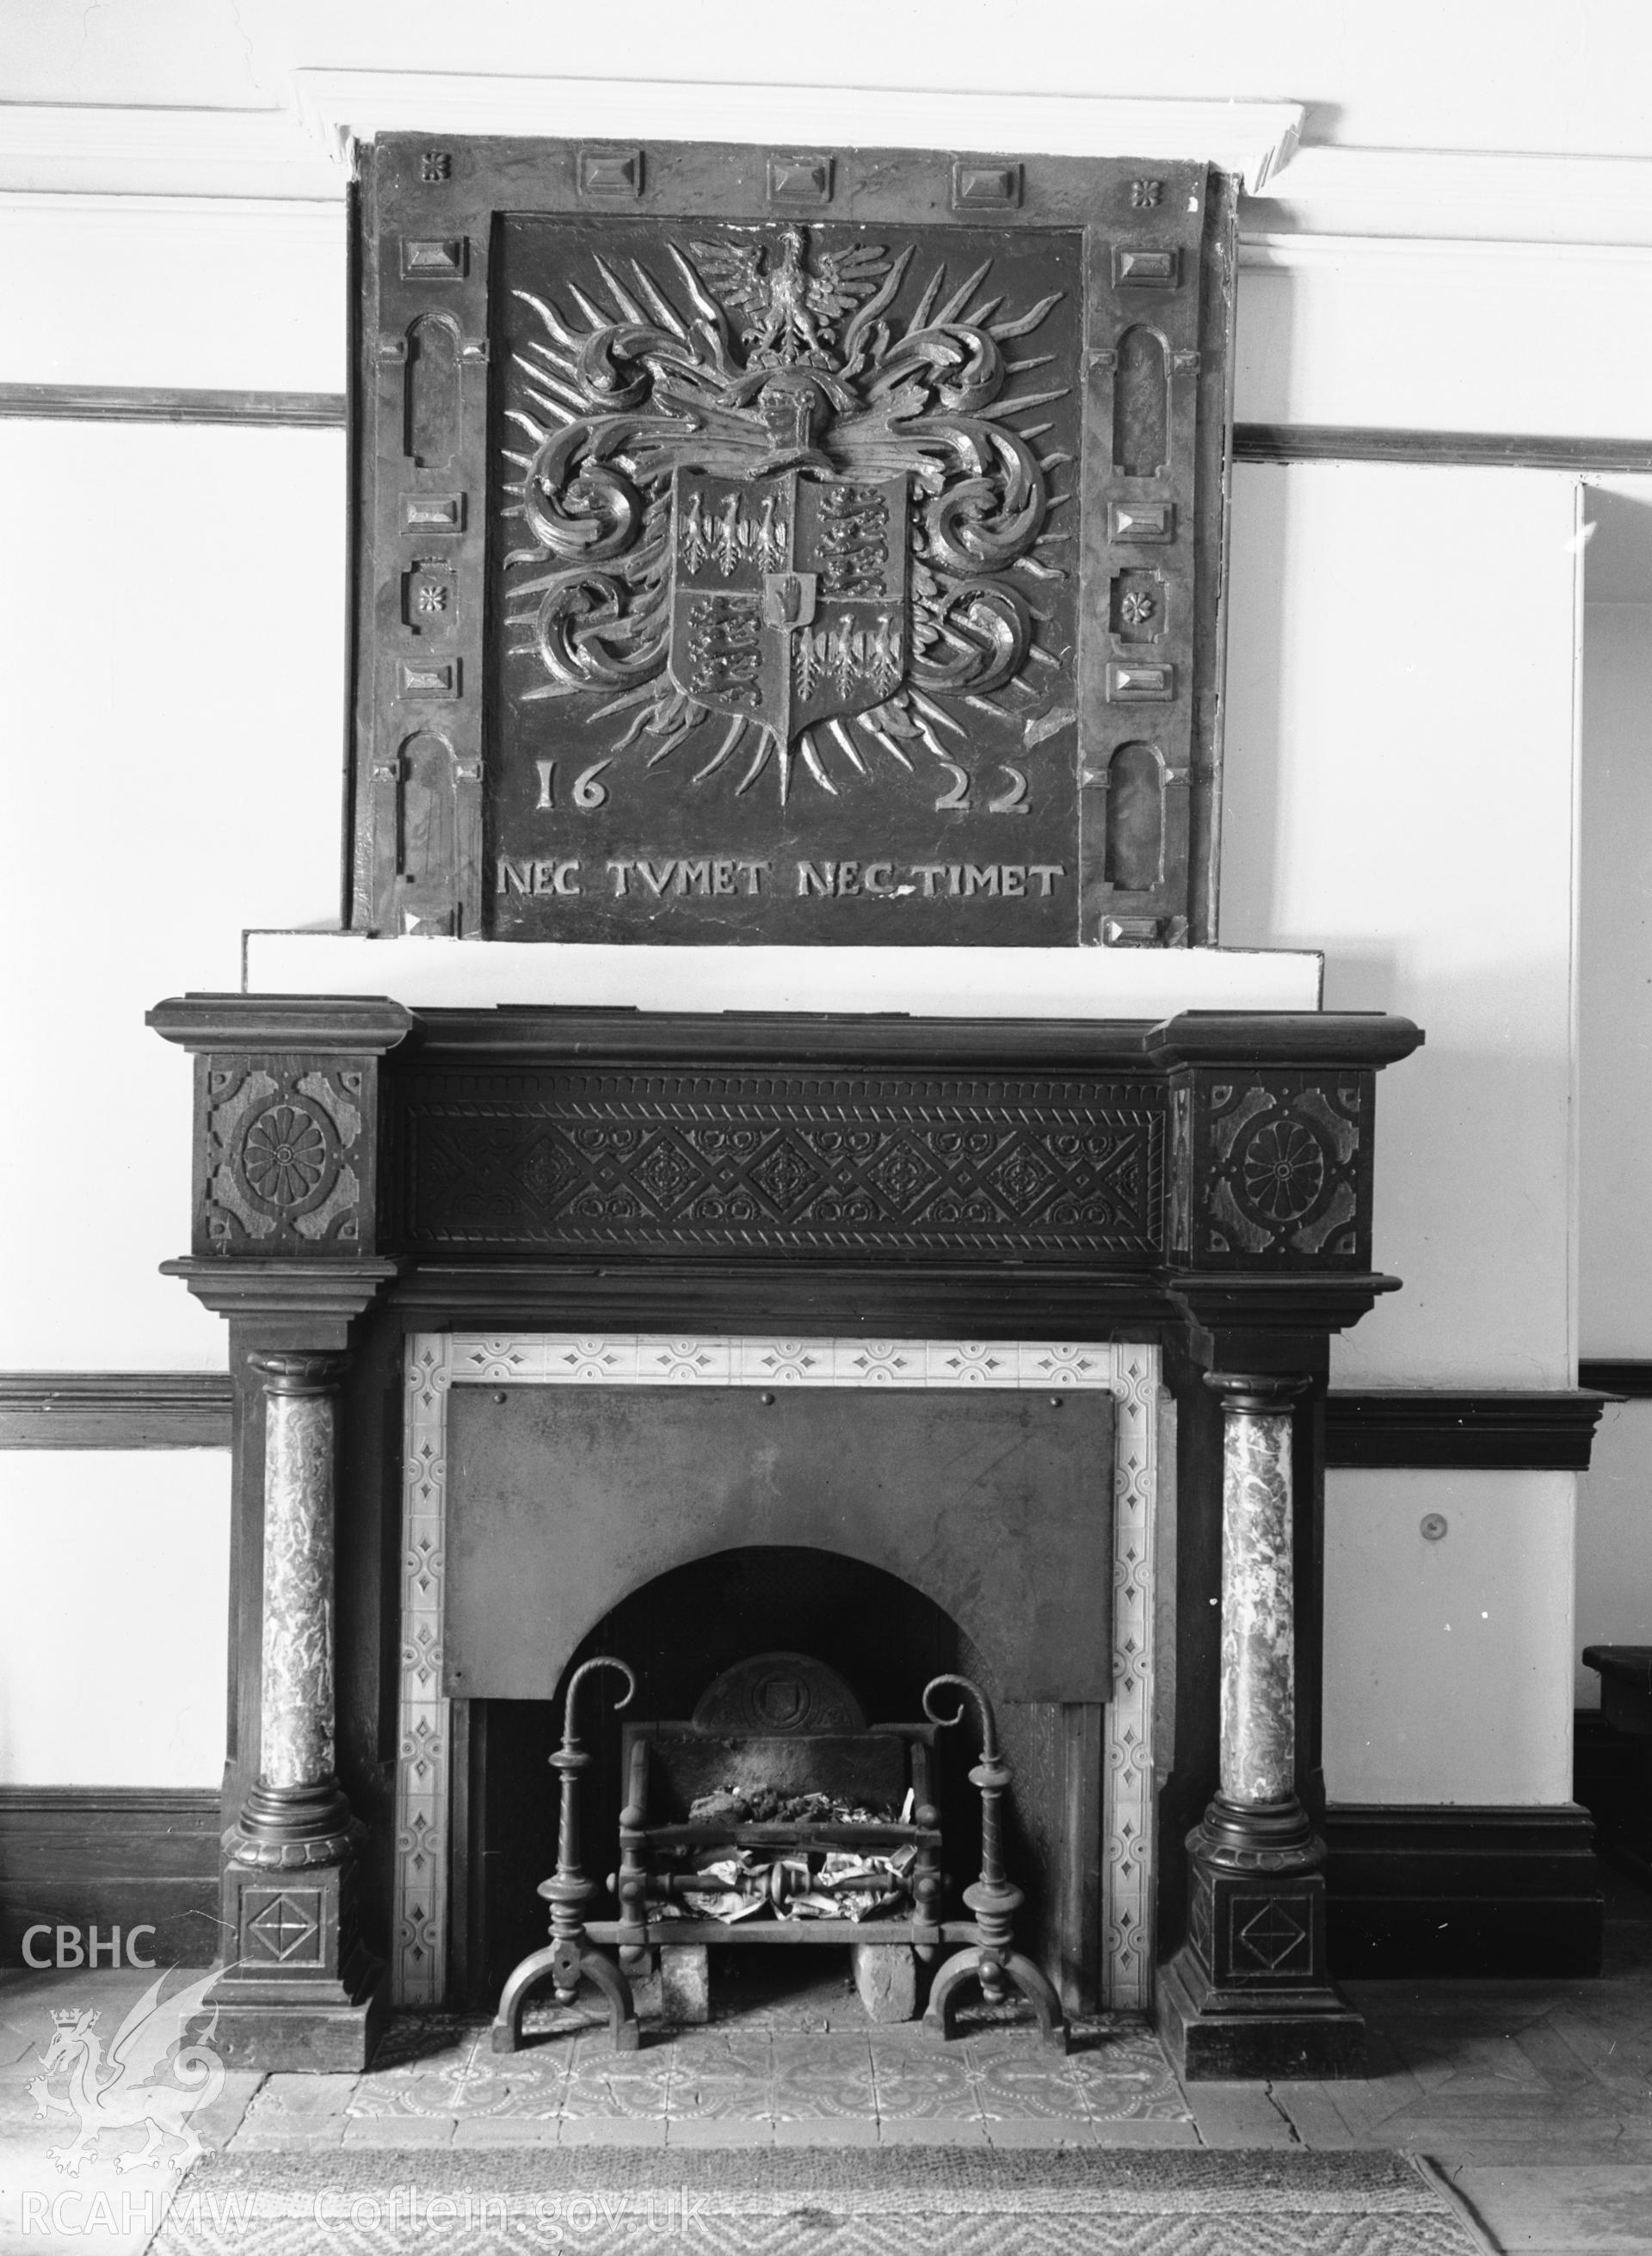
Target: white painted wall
{"points": [[113, 1622], [1615, 1497], [1399, 792], [176, 290], [1615, 976], [1614, 1541], [1448, 1664], [173, 599], [1368, 330], [1399, 789]]}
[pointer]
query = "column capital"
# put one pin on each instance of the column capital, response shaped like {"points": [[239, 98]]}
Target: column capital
{"points": [[288, 1371], [306, 1307], [1259, 1391]]}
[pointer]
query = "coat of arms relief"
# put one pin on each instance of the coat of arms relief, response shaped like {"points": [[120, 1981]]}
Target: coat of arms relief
{"points": [[785, 510]]}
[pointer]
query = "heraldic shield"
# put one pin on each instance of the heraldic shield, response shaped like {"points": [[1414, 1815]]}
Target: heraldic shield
{"points": [[788, 595]]}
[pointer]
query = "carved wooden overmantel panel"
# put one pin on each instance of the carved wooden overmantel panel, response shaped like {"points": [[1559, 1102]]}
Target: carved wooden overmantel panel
{"points": [[815, 546]]}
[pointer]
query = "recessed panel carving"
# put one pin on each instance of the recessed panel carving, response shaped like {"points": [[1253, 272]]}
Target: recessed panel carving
{"points": [[431, 393], [1135, 818], [1141, 405]]}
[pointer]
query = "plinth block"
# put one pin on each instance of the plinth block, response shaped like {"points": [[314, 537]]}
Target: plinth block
{"points": [[302, 1994], [1212, 2035]]}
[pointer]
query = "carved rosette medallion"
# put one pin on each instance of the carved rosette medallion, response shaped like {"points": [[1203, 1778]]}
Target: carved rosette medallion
{"points": [[285, 1157], [1271, 1169]]}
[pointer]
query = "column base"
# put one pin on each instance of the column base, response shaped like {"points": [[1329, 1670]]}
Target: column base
{"points": [[1249, 1994], [324, 2029], [1313, 2035], [302, 1995]]}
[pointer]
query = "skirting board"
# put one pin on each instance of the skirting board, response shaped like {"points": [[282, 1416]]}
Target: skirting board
{"points": [[80, 1858], [1420, 1891], [1413, 1891]]}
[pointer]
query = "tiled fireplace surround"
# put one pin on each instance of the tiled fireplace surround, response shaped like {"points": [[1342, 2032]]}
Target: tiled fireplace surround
{"points": [[390, 1205], [437, 1363]]}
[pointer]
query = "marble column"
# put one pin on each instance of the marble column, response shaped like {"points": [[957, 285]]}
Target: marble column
{"points": [[299, 1990], [1257, 1796], [295, 1813], [1249, 1993]]}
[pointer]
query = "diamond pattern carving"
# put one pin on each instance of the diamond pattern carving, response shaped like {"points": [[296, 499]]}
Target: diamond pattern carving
{"points": [[1271, 1935], [284, 1926], [771, 1163]]}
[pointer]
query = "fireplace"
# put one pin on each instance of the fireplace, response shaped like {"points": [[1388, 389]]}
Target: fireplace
{"points": [[900, 1507], [532, 1311]]}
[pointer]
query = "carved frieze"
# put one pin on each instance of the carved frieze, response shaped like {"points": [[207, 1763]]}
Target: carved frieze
{"points": [[767, 1163], [1153, 1151]]}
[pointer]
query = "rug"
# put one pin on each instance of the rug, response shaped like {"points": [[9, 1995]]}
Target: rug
{"points": [[823, 2201]]}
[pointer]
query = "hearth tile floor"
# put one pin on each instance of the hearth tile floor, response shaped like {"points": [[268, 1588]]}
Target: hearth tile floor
{"points": [[1534, 2097]]}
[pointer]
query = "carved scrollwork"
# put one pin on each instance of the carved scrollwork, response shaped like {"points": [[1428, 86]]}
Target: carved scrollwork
{"points": [[778, 496]]}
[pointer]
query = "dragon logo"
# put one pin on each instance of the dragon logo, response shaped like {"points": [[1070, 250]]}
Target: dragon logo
{"points": [[780, 510], [121, 2091]]}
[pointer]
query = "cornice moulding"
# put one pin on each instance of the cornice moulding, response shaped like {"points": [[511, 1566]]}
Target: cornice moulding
{"points": [[105, 158], [1481, 195], [1441, 258], [1251, 139], [309, 223], [93, 148]]}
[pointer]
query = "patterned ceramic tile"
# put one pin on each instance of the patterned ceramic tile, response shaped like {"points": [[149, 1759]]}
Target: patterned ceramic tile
{"points": [[480, 2085], [821, 2076], [1124, 2077], [932, 2084], [1022, 2084], [605, 2082], [724, 2078]]}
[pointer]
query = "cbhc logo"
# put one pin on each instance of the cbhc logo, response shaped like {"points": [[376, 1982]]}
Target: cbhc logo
{"points": [[73, 1949]]}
